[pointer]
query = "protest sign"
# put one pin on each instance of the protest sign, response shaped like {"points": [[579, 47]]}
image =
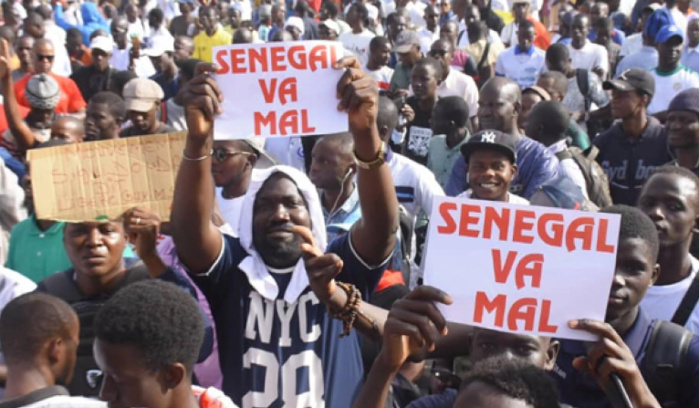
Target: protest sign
{"points": [[98, 180], [521, 269], [279, 90]]}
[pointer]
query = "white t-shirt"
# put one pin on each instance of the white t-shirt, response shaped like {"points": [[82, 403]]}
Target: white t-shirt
{"points": [[511, 198], [120, 60], [459, 84], [463, 41], [523, 68], [382, 76], [668, 85], [417, 184], [661, 302], [358, 44], [632, 44], [416, 12], [427, 38], [589, 57], [230, 210]]}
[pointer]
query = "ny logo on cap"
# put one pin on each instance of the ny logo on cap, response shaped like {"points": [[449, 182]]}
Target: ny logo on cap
{"points": [[488, 137]]}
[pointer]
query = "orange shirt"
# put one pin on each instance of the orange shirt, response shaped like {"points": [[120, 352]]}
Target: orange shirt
{"points": [[71, 100], [541, 39]]}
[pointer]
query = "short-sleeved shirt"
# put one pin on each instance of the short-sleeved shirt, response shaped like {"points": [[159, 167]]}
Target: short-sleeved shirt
{"points": [[358, 44], [645, 58], [690, 58], [628, 163], [37, 254], [382, 76], [459, 84], [580, 390], [418, 133], [589, 57], [523, 67], [441, 158], [669, 84], [275, 353], [70, 101], [661, 301], [574, 100], [204, 45], [478, 48]]}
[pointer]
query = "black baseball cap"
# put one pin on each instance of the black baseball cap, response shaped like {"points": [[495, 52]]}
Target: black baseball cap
{"points": [[633, 79], [491, 139]]}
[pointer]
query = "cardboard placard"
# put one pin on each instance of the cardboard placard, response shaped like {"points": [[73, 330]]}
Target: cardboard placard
{"points": [[98, 180], [279, 90], [521, 269]]}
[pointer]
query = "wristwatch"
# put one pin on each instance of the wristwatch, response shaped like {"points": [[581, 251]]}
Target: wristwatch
{"points": [[378, 161]]}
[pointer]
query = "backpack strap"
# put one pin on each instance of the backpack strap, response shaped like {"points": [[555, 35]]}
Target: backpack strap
{"points": [[582, 78], [163, 112], [664, 356], [689, 301], [484, 57], [564, 154], [458, 39]]}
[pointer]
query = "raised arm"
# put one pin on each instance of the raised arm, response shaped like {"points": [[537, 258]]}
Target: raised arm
{"points": [[23, 135], [197, 240], [374, 235], [60, 19]]}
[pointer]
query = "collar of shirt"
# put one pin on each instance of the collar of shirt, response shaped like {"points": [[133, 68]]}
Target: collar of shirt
{"points": [[688, 49], [340, 213], [558, 146], [636, 337], [518, 51]]}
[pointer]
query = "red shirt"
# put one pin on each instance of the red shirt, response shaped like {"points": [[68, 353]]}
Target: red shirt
{"points": [[71, 100]]}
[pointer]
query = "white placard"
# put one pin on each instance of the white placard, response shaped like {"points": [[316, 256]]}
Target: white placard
{"points": [[279, 90], [521, 269]]}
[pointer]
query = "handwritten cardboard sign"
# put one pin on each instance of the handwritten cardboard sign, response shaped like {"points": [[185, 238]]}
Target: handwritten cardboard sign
{"points": [[93, 180], [521, 269], [279, 89]]}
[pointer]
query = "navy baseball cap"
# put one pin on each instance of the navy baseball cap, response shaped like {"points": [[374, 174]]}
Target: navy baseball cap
{"points": [[659, 19], [492, 139], [667, 33]]}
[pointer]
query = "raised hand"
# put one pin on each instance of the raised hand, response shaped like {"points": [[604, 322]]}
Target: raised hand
{"points": [[413, 326], [321, 268], [202, 98], [358, 94], [142, 227], [5, 69]]}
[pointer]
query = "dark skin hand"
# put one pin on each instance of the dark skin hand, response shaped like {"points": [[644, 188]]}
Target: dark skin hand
{"points": [[142, 228], [409, 330], [610, 355]]}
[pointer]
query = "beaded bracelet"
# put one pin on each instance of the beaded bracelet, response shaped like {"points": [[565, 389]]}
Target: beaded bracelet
{"points": [[348, 314]]}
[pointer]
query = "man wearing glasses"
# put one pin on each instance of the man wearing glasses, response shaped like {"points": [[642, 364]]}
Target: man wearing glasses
{"points": [[455, 83], [42, 57], [232, 165]]}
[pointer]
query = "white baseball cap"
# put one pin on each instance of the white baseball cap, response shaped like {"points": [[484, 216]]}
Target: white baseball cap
{"points": [[160, 46], [103, 43]]}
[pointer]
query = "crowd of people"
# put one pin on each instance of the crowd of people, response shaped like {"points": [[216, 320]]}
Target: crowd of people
{"points": [[289, 272]]}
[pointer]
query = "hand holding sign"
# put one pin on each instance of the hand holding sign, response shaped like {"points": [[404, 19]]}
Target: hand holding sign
{"points": [[203, 101], [358, 94], [413, 326], [610, 355]]}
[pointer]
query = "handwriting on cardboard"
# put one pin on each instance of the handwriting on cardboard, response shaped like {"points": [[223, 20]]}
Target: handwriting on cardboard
{"points": [[94, 180]]}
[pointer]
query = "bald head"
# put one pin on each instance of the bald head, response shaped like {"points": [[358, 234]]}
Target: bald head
{"points": [[555, 83], [68, 128], [242, 36], [387, 118], [43, 54], [500, 105], [548, 122], [505, 87]]}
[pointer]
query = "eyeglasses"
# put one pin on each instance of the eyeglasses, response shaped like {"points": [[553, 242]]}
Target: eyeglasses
{"points": [[221, 155], [44, 57]]}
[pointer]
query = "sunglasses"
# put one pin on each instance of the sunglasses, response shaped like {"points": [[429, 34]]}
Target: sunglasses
{"points": [[221, 155], [437, 53], [44, 57]]}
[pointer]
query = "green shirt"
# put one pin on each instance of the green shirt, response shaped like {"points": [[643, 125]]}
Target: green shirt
{"points": [[440, 158], [400, 78], [37, 254]]}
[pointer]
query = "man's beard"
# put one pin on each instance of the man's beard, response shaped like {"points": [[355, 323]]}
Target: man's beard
{"points": [[279, 254]]}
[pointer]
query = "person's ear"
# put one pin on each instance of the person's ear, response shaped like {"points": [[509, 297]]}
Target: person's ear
{"points": [[55, 350], [252, 160], [552, 355], [514, 170], [654, 275], [172, 376]]}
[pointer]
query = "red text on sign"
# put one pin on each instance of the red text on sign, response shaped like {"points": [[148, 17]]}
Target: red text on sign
{"points": [[531, 312]]}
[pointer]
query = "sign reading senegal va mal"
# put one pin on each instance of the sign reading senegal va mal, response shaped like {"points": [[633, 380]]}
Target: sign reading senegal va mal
{"points": [[279, 90]]}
